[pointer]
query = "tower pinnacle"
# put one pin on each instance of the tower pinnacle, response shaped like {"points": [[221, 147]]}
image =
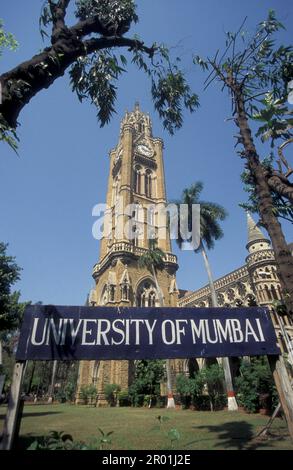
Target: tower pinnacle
{"points": [[254, 232]]}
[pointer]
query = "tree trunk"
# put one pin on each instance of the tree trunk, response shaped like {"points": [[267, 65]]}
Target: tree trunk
{"points": [[52, 385], [31, 378], [265, 204], [1, 353], [170, 402], [232, 403]]}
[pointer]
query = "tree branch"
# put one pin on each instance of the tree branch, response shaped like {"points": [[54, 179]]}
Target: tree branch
{"points": [[281, 186], [94, 44], [58, 12]]}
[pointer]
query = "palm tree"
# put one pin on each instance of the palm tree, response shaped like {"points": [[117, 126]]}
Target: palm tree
{"points": [[210, 230], [153, 261]]}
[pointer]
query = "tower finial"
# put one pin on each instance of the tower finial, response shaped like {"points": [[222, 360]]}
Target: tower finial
{"points": [[254, 232], [136, 106]]}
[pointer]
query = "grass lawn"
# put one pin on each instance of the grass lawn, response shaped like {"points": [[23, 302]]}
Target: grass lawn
{"points": [[137, 428]]}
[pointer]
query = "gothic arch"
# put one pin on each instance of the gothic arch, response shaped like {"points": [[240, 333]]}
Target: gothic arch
{"points": [[209, 361], [191, 367], [146, 293], [137, 179], [96, 372], [148, 183], [104, 295]]}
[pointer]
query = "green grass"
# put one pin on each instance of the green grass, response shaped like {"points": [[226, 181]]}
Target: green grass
{"points": [[137, 428]]}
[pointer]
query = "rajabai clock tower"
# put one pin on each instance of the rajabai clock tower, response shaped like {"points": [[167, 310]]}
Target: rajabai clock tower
{"points": [[136, 187]]}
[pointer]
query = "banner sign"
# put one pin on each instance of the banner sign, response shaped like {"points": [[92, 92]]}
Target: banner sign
{"points": [[111, 333]]}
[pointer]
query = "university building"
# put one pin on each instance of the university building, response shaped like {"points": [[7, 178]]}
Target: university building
{"points": [[136, 177]]}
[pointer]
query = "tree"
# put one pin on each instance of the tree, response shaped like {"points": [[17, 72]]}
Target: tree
{"points": [[10, 309], [210, 230], [255, 385], [89, 50], [153, 260], [248, 73], [212, 376], [148, 375], [7, 41]]}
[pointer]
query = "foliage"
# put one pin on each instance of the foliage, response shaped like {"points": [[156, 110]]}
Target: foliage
{"points": [[254, 383], [276, 118], [58, 440], [172, 434], [10, 309], [184, 386], [281, 208], [148, 375], [124, 398], [7, 40], [115, 15], [89, 50], [257, 63], [210, 215], [256, 71], [93, 77], [105, 438], [213, 377], [7, 133], [111, 393], [88, 393], [153, 259], [208, 379], [168, 92], [67, 393]]}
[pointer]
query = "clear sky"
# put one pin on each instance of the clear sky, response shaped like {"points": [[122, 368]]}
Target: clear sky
{"points": [[48, 192]]}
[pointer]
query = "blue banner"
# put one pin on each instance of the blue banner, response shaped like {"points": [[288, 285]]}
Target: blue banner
{"points": [[111, 333]]}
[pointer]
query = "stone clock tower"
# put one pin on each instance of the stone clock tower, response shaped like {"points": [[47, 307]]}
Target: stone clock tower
{"points": [[136, 180]]}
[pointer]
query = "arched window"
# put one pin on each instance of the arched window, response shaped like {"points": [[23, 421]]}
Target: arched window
{"points": [[112, 293], [125, 292], [135, 237], [104, 296], [146, 295], [115, 190], [152, 299], [148, 183], [274, 292], [137, 180], [268, 294], [192, 368], [96, 373], [151, 216]]}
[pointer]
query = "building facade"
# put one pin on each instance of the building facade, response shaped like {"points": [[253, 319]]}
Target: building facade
{"points": [[136, 182]]}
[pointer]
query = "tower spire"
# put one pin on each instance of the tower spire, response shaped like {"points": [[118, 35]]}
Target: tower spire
{"points": [[254, 232]]}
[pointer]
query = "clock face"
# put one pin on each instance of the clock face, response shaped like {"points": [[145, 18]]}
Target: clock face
{"points": [[144, 150]]}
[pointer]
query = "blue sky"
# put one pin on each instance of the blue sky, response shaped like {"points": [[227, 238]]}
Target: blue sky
{"points": [[48, 192]]}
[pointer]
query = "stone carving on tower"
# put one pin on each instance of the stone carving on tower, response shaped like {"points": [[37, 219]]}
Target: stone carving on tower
{"points": [[136, 179]]}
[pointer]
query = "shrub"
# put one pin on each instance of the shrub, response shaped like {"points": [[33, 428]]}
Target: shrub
{"points": [[124, 399], [111, 393], [184, 387], [88, 394], [67, 393], [255, 385]]}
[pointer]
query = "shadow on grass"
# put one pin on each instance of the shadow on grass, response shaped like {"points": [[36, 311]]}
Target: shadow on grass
{"points": [[34, 414], [237, 435], [41, 413]]}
